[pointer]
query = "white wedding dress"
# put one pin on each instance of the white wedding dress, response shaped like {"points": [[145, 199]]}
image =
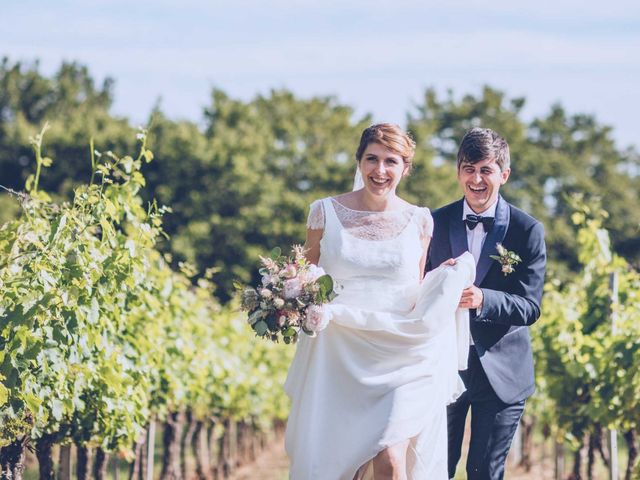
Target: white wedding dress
{"points": [[387, 364]]}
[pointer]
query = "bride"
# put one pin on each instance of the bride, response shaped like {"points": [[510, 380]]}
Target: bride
{"points": [[369, 393]]}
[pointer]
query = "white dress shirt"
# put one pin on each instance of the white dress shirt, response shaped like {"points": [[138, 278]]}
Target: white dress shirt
{"points": [[477, 236]]}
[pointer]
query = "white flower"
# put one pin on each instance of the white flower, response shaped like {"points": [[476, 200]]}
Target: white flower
{"points": [[278, 302], [266, 293], [266, 280], [317, 318], [314, 273], [292, 288]]}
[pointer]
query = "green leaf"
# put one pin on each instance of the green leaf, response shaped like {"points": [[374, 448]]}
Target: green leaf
{"points": [[33, 402], [260, 328], [4, 395], [325, 282], [94, 312], [28, 185], [255, 316], [127, 163], [138, 178], [110, 208], [57, 408]]}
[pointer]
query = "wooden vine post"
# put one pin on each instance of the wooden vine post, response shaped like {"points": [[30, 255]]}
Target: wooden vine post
{"points": [[613, 434]]}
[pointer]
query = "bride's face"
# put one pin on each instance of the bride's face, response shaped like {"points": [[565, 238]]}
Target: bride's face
{"points": [[382, 169]]}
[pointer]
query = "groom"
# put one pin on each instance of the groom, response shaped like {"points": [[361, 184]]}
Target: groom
{"points": [[501, 304]]}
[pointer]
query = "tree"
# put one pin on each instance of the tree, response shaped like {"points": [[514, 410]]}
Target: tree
{"points": [[77, 110], [245, 185]]}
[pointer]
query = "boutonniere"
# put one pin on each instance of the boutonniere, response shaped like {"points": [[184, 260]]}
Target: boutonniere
{"points": [[506, 258]]}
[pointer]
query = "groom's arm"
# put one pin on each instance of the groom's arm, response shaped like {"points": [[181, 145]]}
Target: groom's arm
{"points": [[521, 304]]}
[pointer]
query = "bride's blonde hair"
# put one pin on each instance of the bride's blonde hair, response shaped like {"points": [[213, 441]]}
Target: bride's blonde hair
{"points": [[390, 136]]}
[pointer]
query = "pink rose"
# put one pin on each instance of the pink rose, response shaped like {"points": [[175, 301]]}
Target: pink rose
{"points": [[289, 271], [292, 288], [317, 319]]}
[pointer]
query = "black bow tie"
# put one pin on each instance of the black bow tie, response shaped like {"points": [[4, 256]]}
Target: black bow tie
{"points": [[472, 220]]}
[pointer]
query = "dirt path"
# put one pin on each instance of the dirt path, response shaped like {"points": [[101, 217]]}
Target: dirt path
{"points": [[270, 465], [273, 465]]}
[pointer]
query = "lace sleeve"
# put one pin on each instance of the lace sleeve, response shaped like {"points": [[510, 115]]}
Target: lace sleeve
{"points": [[315, 220], [425, 222]]}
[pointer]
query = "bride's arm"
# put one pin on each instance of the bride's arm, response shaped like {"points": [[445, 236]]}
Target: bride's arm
{"points": [[312, 245], [315, 229]]}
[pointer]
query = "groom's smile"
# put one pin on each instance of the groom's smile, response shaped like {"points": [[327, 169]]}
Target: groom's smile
{"points": [[481, 182]]}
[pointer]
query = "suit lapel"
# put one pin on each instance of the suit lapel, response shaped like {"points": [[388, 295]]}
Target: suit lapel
{"points": [[496, 235], [457, 231]]}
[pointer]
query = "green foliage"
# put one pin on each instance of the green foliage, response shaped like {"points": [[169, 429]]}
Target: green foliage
{"points": [[98, 334], [587, 347]]}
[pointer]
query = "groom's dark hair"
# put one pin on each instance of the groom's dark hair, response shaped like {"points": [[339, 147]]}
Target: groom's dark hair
{"points": [[481, 143]]}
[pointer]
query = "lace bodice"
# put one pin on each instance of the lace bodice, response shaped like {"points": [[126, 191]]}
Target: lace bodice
{"points": [[367, 252], [372, 225]]}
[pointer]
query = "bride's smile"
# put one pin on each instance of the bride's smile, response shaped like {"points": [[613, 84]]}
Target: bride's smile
{"points": [[382, 169]]}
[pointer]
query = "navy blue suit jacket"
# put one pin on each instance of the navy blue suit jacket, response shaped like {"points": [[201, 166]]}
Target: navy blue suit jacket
{"points": [[511, 303]]}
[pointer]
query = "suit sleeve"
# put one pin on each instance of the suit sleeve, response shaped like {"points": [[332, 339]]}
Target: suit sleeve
{"points": [[521, 304], [436, 244], [428, 266]]}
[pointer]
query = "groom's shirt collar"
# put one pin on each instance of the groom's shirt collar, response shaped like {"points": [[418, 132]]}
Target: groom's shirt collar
{"points": [[477, 236], [489, 212]]}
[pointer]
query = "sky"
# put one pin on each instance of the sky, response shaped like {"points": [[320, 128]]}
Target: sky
{"points": [[378, 57]]}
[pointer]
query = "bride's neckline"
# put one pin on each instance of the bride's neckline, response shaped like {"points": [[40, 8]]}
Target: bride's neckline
{"points": [[404, 209]]}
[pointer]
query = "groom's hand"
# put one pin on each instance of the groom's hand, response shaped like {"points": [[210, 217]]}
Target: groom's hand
{"points": [[472, 297]]}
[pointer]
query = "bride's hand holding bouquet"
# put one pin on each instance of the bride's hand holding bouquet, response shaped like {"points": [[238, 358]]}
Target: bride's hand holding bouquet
{"points": [[289, 298]]}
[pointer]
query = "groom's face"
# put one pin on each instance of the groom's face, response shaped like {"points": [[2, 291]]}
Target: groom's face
{"points": [[481, 183]]}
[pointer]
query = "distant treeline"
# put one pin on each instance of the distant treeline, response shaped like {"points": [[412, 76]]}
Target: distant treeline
{"points": [[239, 180]]}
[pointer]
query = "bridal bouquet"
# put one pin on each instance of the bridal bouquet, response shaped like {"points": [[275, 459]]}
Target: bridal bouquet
{"points": [[290, 297]]}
